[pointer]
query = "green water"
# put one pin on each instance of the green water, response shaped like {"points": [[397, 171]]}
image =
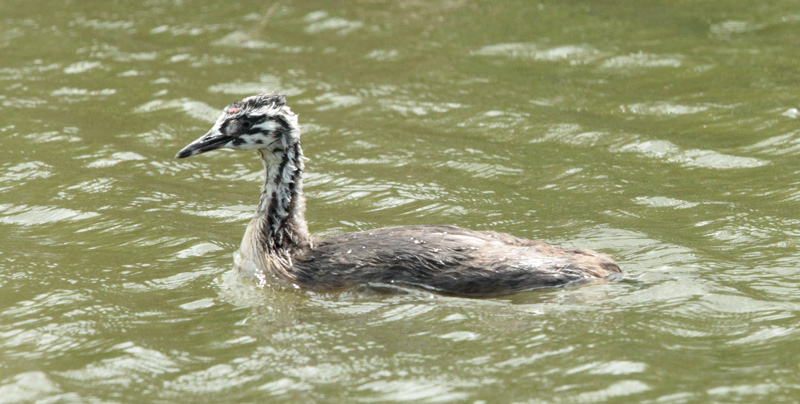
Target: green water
{"points": [[664, 133]]}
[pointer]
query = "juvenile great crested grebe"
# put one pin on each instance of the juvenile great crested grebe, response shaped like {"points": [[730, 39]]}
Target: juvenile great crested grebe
{"points": [[445, 259]]}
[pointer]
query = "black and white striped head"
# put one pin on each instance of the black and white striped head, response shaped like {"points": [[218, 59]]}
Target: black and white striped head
{"points": [[262, 121]]}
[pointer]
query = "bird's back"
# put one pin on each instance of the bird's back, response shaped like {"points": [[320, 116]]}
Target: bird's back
{"points": [[445, 259]]}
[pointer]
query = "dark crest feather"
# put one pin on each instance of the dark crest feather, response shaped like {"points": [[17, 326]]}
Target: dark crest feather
{"points": [[255, 102]]}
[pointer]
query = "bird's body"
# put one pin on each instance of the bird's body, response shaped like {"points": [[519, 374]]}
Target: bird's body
{"points": [[445, 259]]}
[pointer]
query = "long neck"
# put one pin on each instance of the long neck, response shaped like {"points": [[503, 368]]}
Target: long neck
{"points": [[282, 228]]}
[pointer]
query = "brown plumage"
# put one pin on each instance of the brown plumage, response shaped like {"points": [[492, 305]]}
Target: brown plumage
{"points": [[444, 259]]}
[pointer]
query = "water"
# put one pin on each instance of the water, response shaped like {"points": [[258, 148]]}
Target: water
{"points": [[663, 133]]}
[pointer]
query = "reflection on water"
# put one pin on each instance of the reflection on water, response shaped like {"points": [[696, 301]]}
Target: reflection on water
{"points": [[665, 134]]}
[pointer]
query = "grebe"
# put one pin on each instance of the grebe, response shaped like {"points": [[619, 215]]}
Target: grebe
{"points": [[444, 259]]}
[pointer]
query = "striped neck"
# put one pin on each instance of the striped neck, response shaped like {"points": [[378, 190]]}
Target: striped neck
{"points": [[282, 230]]}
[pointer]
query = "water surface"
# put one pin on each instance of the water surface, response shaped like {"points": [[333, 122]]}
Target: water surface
{"points": [[665, 134]]}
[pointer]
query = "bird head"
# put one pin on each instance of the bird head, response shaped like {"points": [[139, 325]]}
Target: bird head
{"points": [[261, 121]]}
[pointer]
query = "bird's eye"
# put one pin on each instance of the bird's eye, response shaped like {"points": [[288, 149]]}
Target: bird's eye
{"points": [[246, 125]]}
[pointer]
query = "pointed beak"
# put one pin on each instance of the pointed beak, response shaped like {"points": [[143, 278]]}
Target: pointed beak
{"points": [[212, 140]]}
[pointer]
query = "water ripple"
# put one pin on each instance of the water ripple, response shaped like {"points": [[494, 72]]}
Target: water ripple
{"points": [[36, 215], [642, 59], [82, 67], [619, 389], [527, 50], [663, 150], [240, 39], [420, 390], [265, 84], [579, 54], [779, 145], [28, 387], [663, 108], [195, 109], [18, 174], [320, 21], [131, 362]]}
